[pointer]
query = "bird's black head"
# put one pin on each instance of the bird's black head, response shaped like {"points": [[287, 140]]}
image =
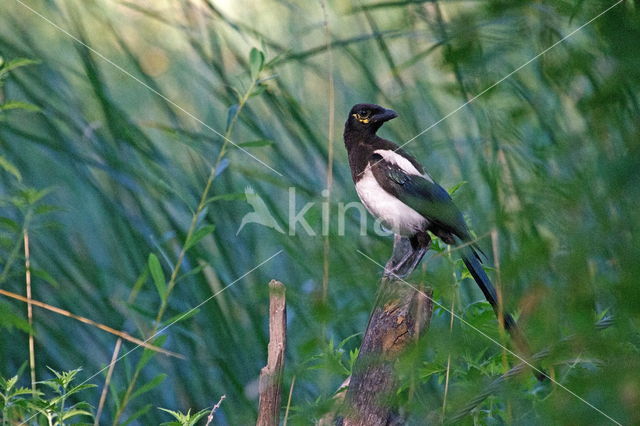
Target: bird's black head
{"points": [[367, 118]]}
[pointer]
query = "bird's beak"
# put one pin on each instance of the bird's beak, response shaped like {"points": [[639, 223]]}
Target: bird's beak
{"points": [[386, 115]]}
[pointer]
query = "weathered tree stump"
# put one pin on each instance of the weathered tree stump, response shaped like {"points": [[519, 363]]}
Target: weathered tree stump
{"points": [[400, 316]]}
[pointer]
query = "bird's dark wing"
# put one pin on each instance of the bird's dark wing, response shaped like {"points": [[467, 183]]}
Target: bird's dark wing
{"points": [[424, 196], [434, 203]]}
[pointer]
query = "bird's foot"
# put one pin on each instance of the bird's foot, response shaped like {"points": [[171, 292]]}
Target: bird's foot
{"points": [[407, 254]]}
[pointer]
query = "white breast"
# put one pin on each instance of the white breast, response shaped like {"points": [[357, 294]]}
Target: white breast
{"points": [[397, 159], [393, 213]]}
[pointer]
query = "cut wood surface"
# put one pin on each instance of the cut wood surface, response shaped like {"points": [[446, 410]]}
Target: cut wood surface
{"points": [[271, 374]]}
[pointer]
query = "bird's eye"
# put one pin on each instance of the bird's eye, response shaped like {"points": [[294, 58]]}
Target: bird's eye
{"points": [[364, 113]]}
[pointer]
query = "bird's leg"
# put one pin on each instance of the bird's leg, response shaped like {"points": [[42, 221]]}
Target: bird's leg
{"points": [[401, 251], [407, 253]]}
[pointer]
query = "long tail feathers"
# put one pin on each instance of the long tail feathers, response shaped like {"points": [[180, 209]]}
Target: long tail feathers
{"points": [[472, 261]]}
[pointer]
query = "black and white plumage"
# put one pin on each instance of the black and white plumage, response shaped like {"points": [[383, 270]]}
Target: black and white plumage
{"points": [[395, 188], [393, 185]]}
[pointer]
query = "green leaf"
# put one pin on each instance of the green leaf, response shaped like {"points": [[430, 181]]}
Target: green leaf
{"points": [[429, 370], [457, 186], [184, 419], [7, 166], [9, 105], [137, 414], [227, 197], [195, 417], [158, 275], [256, 143], [146, 313], [17, 63], [46, 208], [73, 413], [45, 276], [137, 285], [180, 317], [148, 354], [256, 62], [12, 225], [198, 235], [156, 381], [9, 320], [23, 391], [32, 196], [79, 388], [193, 271], [175, 414], [10, 383]]}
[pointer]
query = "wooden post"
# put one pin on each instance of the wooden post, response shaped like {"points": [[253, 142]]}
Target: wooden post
{"points": [[271, 374], [400, 315]]}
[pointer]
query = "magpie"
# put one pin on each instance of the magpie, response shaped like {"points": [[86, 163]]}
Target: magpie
{"points": [[395, 188]]}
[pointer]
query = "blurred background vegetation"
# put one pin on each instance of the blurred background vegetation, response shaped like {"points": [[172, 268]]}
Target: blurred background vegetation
{"points": [[113, 115]]}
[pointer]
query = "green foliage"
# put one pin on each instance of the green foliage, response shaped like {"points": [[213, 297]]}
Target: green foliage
{"points": [[41, 405], [8, 167], [6, 105], [198, 235], [158, 276], [13, 401], [184, 419], [335, 359], [256, 62], [55, 409], [150, 195]]}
